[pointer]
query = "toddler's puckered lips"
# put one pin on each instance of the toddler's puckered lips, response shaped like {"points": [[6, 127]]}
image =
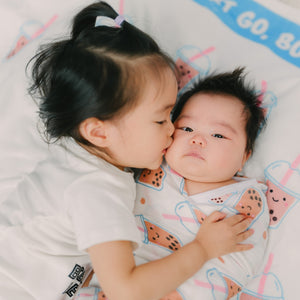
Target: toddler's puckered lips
{"points": [[165, 150]]}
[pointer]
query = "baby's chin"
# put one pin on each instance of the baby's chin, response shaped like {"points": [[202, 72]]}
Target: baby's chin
{"points": [[172, 166], [167, 159]]}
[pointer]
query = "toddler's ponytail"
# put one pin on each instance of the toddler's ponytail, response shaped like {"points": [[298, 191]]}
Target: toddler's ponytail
{"points": [[100, 71]]}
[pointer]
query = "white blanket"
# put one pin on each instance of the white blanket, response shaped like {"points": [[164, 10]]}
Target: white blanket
{"points": [[202, 36]]}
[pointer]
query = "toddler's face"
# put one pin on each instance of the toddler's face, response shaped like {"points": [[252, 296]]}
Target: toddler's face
{"points": [[209, 139], [141, 137]]}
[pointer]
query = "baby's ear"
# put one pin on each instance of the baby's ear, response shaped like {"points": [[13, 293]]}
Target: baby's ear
{"points": [[246, 157], [94, 131]]}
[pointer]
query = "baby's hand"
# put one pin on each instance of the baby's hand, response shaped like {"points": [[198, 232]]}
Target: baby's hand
{"points": [[219, 236]]}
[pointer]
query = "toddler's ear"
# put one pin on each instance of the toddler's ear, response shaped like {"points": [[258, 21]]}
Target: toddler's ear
{"points": [[94, 131]]}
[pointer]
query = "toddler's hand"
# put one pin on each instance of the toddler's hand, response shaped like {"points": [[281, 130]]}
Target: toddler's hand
{"points": [[219, 236]]}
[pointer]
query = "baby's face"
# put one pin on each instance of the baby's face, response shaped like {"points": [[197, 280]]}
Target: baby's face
{"points": [[209, 139]]}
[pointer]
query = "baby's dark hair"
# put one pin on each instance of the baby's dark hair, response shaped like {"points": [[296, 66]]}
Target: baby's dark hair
{"points": [[230, 84], [99, 71]]}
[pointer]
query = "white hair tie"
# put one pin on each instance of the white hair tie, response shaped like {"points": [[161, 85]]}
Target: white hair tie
{"points": [[107, 21]]}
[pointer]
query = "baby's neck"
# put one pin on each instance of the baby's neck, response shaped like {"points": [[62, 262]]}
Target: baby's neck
{"points": [[195, 187]]}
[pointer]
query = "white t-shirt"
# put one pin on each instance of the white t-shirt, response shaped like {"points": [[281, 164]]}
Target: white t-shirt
{"points": [[70, 202]]}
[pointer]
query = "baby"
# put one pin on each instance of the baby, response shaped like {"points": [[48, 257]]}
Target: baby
{"points": [[216, 124]]}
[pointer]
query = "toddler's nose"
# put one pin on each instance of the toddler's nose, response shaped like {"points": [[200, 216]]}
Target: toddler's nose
{"points": [[171, 128]]}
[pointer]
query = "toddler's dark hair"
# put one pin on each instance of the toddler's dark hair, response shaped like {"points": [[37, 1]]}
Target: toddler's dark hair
{"points": [[96, 72], [231, 84]]}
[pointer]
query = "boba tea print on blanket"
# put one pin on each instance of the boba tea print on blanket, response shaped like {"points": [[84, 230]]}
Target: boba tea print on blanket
{"points": [[201, 36]]}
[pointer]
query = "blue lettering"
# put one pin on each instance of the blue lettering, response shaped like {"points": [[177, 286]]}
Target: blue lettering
{"points": [[257, 23]]}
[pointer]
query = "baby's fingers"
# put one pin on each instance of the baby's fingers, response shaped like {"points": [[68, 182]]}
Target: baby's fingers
{"points": [[244, 235], [243, 247], [236, 219], [242, 225]]}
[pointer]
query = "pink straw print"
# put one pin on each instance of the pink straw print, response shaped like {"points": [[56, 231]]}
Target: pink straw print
{"points": [[121, 7], [208, 286], [289, 173], [263, 279], [263, 91], [207, 51], [41, 30]]}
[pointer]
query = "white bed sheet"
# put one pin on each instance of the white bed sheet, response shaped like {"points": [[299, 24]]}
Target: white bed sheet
{"points": [[202, 36]]}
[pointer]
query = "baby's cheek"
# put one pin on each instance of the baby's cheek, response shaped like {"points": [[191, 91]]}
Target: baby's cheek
{"points": [[169, 156]]}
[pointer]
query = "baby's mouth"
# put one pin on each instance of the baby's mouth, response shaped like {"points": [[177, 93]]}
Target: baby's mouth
{"points": [[195, 154]]}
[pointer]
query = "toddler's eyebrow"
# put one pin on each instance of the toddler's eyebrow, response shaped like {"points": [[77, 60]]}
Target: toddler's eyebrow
{"points": [[166, 107], [183, 117]]}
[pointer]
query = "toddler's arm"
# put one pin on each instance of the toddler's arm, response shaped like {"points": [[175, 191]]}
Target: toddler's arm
{"points": [[120, 278]]}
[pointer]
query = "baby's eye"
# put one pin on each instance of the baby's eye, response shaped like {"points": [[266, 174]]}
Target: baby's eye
{"points": [[188, 129], [161, 122], [219, 136]]}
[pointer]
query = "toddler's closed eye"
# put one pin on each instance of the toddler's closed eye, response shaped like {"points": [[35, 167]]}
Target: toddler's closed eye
{"points": [[161, 122]]}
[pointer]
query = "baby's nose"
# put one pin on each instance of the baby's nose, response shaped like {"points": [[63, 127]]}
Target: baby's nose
{"points": [[199, 140]]}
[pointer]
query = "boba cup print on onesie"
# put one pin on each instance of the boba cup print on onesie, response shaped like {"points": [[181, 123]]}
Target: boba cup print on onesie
{"points": [[250, 203], [152, 178], [283, 181], [263, 286], [157, 235], [222, 286]]}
